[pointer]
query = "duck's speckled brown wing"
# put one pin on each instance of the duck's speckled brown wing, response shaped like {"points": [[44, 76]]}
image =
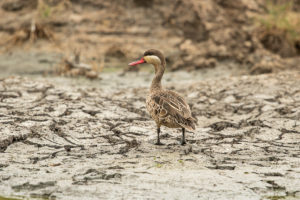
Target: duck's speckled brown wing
{"points": [[169, 109]]}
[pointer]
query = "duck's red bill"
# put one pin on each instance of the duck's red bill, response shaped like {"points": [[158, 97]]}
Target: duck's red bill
{"points": [[137, 62]]}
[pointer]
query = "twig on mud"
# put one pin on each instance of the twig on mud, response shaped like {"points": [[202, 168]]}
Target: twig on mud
{"points": [[74, 67]]}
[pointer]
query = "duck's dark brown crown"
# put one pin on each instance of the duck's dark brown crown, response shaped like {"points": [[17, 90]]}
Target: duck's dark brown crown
{"points": [[154, 52]]}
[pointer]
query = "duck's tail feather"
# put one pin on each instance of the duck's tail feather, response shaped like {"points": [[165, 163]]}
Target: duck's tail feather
{"points": [[190, 124]]}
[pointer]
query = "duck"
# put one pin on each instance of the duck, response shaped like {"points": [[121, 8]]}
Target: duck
{"points": [[166, 107]]}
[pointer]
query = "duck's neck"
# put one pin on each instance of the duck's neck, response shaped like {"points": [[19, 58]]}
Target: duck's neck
{"points": [[156, 82]]}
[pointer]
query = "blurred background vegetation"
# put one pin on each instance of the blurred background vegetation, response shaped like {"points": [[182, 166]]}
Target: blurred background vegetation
{"points": [[87, 37]]}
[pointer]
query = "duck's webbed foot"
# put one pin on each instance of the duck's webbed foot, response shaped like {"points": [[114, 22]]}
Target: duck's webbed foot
{"points": [[159, 143]]}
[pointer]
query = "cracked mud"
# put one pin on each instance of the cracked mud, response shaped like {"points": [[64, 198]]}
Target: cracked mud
{"points": [[71, 141]]}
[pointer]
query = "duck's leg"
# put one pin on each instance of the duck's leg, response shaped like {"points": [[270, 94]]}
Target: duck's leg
{"points": [[158, 140], [183, 137]]}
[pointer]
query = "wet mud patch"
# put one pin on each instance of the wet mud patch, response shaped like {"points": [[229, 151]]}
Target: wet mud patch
{"points": [[76, 141]]}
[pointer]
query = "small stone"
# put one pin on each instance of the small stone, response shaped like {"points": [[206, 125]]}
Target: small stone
{"points": [[229, 99], [212, 101], [193, 95], [5, 177], [91, 74], [267, 108]]}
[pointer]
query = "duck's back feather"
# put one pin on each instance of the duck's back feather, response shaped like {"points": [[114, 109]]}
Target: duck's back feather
{"points": [[170, 109]]}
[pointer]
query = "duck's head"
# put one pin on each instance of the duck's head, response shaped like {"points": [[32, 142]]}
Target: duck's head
{"points": [[151, 56]]}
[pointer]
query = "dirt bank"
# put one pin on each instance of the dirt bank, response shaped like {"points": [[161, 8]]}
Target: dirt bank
{"points": [[74, 141], [193, 34]]}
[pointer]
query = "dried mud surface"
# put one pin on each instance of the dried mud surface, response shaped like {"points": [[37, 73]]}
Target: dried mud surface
{"points": [[71, 141]]}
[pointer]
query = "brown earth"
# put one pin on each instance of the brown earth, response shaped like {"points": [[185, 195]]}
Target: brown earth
{"points": [[66, 141], [193, 34]]}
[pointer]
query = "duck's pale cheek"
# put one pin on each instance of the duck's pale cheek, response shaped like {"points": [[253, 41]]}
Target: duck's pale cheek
{"points": [[152, 59]]}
